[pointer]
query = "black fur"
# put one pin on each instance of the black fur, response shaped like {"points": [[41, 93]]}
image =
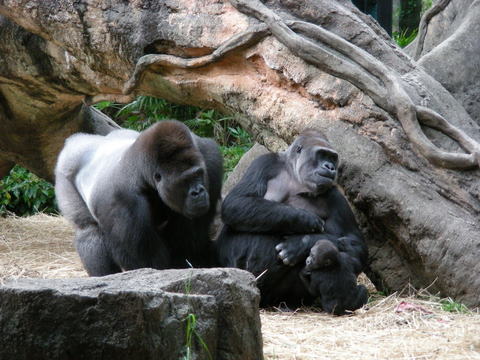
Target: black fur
{"points": [[278, 235], [148, 207]]}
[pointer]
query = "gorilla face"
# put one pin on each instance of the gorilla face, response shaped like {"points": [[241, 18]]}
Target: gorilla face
{"points": [[184, 191], [313, 161], [323, 255], [328, 275], [176, 168]]}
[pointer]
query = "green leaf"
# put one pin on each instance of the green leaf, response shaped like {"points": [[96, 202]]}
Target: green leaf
{"points": [[103, 105]]}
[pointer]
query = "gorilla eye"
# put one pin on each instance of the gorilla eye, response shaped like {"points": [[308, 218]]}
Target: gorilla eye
{"points": [[157, 177], [298, 149]]}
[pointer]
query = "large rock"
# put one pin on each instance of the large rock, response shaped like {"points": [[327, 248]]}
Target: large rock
{"points": [[133, 315]]}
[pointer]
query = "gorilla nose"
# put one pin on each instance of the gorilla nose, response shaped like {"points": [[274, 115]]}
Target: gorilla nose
{"points": [[329, 166], [197, 191]]}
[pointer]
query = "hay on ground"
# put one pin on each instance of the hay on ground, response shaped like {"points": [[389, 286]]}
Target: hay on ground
{"points": [[38, 246], [377, 331], [41, 246]]}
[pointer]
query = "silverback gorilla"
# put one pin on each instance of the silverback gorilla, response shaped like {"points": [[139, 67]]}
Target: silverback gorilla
{"points": [[140, 199], [286, 216]]}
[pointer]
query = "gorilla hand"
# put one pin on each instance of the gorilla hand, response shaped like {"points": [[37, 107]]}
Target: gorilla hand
{"points": [[311, 223], [294, 249]]}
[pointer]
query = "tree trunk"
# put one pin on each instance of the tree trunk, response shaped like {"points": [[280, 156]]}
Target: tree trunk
{"points": [[450, 50], [5, 167], [41, 93], [282, 66]]}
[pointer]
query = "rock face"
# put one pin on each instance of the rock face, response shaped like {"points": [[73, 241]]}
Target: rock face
{"points": [[133, 315]]}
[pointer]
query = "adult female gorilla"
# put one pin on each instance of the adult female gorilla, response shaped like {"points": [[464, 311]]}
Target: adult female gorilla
{"points": [[283, 205], [140, 199]]}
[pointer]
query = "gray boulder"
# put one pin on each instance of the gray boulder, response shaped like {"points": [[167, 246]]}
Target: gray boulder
{"points": [[139, 314]]}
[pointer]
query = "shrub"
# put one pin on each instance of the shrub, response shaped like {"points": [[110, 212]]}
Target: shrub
{"points": [[405, 37], [24, 193]]}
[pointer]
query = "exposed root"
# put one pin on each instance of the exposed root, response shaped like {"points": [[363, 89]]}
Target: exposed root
{"points": [[146, 62], [439, 6], [432, 119], [340, 58]]}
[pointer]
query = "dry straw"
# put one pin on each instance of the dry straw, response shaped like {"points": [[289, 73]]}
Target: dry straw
{"points": [[37, 246], [394, 327]]}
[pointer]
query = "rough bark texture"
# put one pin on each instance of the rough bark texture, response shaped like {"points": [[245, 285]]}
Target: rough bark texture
{"points": [[421, 220], [450, 48], [41, 93], [139, 314]]}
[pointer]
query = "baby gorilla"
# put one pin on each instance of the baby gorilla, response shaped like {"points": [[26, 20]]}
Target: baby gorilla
{"points": [[328, 275], [277, 212]]}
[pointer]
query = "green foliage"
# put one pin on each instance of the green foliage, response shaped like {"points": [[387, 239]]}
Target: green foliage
{"points": [[144, 111], [102, 105], [23, 193], [450, 305], [404, 37], [231, 156], [209, 123], [191, 334]]}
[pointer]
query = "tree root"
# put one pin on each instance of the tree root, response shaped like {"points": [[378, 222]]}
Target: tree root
{"points": [[342, 59], [338, 57], [424, 21], [146, 62]]}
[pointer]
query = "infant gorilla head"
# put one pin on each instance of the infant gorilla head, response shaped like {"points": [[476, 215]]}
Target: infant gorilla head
{"points": [[328, 274]]}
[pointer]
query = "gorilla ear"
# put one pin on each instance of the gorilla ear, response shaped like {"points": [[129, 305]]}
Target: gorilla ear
{"points": [[157, 176], [298, 149]]}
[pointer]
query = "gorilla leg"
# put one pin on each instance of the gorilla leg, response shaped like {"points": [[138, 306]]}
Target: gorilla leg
{"points": [[71, 204], [93, 253], [278, 283]]}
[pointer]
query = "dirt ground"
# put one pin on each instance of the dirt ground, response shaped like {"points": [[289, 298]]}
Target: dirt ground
{"points": [[394, 327]]}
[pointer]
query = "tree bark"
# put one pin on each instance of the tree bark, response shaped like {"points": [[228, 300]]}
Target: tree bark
{"points": [[5, 167], [42, 90], [448, 49], [281, 66]]}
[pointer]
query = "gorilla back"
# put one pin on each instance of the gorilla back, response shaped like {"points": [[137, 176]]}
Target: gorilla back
{"points": [[140, 199]]}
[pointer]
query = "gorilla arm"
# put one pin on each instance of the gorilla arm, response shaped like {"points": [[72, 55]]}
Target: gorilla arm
{"points": [[245, 209], [214, 163], [349, 240], [340, 228], [135, 239]]}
